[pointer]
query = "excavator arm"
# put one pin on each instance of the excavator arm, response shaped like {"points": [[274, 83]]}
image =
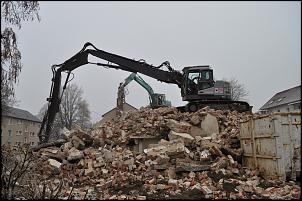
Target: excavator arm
{"points": [[121, 94], [123, 63], [144, 84], [114, 61]]}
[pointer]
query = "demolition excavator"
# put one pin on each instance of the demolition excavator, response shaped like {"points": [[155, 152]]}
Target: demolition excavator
{"points": [[196, 83], [156, 100]]}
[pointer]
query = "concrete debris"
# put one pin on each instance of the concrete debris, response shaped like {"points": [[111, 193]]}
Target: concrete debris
{"points": [[77, 143], [179, 127], [187, 138], [195, 120], [54, 163], [65, 132], [190, 166], [74, 154], [206, 190], [161, 154], [196, 131], [209, 125]]}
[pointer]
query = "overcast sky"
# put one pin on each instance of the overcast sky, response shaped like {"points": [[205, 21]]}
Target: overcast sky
{"points": [[258, 43]]}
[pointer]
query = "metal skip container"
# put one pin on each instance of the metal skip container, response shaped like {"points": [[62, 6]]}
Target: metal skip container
{"points": [[272, 144]]}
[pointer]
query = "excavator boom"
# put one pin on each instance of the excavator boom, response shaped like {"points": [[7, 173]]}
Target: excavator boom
{"points": [[80, 59], [196, 82]]}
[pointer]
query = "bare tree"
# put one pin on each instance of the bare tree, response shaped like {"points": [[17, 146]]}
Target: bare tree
{"points": [[238, 90], [15, 163], [21, 176], [83, 115], [73, 110], [12, 14]]}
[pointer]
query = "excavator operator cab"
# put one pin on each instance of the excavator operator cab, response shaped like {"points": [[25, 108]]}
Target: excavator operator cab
{"points": [[198, 81], [159, 100]]}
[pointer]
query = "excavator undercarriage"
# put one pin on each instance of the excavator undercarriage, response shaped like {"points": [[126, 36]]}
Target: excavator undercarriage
{"points": [[239, 106]]}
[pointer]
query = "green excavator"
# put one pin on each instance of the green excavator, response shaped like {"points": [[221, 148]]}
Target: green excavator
{"points": [[156, 100]]}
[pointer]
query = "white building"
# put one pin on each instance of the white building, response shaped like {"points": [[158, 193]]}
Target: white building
{"points": [[285, 101], [18, 127]]}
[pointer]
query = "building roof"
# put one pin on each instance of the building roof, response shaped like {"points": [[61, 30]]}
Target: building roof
{"points": [[20, 114], [284, 97], [115, 109]]}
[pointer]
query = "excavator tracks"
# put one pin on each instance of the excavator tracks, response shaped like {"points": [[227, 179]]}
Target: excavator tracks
{"points": [[239, 106]]}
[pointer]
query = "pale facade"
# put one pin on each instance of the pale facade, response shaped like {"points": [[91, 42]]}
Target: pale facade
{"points": [[112, 113], [292, 107], [19, 127], [285, 101]]}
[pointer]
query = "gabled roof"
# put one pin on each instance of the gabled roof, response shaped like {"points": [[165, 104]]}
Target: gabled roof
{"points": [[115, 109], [20, 114], [284, 97]]}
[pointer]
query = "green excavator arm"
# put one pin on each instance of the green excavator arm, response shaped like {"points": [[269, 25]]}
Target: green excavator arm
{"points": [[156, 100]]}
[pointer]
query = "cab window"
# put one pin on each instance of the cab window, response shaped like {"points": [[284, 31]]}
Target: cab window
{"points": [[194, 77], [205, 75]]}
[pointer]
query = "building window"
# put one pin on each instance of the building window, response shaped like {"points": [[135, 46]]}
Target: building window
{"points": [[10, 121], [19, 121], [32, 134], [18, 132], [297, 106], [32, 143], [25, 140], [9, 136], [18, 143]]}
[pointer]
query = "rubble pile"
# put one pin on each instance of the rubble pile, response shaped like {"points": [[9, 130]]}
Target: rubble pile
{"points": [[149, 122], [197, 155]]}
